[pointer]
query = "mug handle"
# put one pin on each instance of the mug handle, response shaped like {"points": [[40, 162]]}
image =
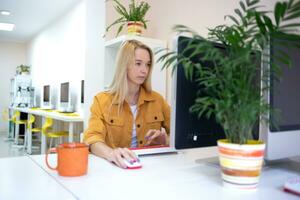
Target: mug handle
{"points": [[52, 150]]}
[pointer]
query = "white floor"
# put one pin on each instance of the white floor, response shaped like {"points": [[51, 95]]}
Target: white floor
{"points": [[7, 149]]}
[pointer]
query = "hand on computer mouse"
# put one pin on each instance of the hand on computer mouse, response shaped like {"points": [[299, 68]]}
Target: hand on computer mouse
{"points": [[132, 164], [118, 156]]}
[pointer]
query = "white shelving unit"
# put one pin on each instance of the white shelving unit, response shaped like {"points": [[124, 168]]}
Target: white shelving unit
{"points": [[111, 50]]}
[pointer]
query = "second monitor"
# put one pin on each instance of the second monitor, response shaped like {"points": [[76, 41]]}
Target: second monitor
{"points": [[65, 98]]}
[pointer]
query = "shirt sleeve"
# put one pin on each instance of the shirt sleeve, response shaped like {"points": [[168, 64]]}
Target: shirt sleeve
{"points": [[166, 113], [96, 131]]}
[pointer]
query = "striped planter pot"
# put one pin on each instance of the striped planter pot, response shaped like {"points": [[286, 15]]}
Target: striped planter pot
{"points": [[134, 28], [241, 164]]}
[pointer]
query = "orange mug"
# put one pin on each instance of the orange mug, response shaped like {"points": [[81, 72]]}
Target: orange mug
{"points": [[72, 159]]}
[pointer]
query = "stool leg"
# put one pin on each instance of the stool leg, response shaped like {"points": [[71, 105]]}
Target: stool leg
{"points": [[29, 139], [16, 133], [50, 143], [10, 133]]}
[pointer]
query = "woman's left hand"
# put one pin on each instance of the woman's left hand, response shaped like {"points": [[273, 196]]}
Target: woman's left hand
{"points": [[156, 137]]}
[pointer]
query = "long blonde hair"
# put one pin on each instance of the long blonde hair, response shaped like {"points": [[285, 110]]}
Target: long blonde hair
{"points": [[125, 58]]}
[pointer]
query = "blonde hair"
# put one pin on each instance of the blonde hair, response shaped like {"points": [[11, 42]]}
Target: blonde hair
{"points": [[125, 58]]}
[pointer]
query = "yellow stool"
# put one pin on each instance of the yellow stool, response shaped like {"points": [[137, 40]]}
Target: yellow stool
{"points": [[30, 130], [47, 131], [17, 121], [5, 118]]}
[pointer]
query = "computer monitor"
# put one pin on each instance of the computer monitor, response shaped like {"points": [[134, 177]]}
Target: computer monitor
{"points": [[282, 140], [82, 92], [46, 95], [64, 96], [188, 129]]}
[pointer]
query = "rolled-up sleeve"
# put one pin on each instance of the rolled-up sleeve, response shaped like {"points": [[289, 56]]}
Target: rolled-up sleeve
{"points": [[96, 131], [166, 112]]}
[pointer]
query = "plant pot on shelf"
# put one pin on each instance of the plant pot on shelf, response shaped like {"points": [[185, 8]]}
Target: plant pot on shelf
{"points": [[241, 164], [135, 28]]}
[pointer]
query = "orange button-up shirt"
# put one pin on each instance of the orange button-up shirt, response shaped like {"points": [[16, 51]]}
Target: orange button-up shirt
{"points": [[105, 125]]}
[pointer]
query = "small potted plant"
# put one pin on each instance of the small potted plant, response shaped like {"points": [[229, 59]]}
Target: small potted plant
{"points": [[23, 69], [230, 94], [133, 17]]}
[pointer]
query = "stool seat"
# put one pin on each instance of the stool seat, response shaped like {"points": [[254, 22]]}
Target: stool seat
{"points": [[36, 130], [47, 130]]}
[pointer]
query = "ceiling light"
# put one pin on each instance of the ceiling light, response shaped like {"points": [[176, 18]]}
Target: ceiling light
{"points": [[6, 27], [5, 12]]}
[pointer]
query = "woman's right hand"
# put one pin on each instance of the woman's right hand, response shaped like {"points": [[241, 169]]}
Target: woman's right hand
{"points": [[117, 156]]}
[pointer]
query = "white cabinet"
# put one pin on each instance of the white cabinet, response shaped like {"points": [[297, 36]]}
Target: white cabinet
{"points": [[111, 50]]}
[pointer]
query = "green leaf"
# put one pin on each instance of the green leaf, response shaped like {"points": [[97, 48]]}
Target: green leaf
{"points": [[243, 6], [292, 16], [233, 19], [260, 24], [268, 23], [277, 12]]}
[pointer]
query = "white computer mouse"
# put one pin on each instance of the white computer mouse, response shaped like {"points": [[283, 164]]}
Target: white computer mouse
{"points": [[133, 165]]}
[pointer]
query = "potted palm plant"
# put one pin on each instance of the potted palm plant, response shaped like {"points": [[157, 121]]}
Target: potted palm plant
{"points": [[228, 80], [133, 17]]}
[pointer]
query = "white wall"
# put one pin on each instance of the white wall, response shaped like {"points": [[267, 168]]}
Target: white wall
{"points": [[94, 71], [11, 55], [57, 54]]}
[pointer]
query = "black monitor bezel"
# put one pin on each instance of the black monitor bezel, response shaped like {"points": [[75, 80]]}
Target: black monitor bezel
{"points": [[46, 94], [82, 92], [273, 125], [64, 98], [185, 141]]}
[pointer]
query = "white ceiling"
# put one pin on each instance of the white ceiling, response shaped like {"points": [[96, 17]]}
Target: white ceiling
{"points": [[31, 16]]}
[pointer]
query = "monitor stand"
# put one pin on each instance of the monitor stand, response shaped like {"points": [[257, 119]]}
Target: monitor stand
{"points": [[292, 163], [211, 161]]}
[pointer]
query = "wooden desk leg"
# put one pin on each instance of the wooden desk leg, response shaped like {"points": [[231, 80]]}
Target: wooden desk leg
{"points": [[71, 129]]}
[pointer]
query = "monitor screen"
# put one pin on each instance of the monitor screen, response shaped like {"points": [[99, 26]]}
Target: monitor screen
{"points": [[285, 93], [282, 132], [82, 91], [46, 95], [64, 92], [191, 131]]}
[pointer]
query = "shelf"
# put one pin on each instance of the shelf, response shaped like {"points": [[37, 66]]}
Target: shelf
{"points": [[116, 42]]}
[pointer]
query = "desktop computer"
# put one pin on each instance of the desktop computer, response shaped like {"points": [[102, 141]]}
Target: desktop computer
{"points": [[189, 131], [46, 104], [65, 105], [282, 132]]}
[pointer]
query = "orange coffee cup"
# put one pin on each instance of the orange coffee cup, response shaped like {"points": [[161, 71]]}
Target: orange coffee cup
{"points": [[72, 159]]}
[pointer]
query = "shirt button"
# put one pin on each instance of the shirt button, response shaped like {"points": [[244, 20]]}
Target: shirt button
{"points": [[112, 121], [141, 141], [155, 118], [138, 126]]}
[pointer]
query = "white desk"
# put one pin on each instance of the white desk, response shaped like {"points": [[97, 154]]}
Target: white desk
{"points": [[54, 115], [21, 178], [173, 176]]}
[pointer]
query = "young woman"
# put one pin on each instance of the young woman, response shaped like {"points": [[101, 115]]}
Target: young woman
{"points": [[129, 114]]}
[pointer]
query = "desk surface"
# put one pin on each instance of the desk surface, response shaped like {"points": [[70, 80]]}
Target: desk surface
{"points": [[52, 113], [22, 178], [172, 176]]}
